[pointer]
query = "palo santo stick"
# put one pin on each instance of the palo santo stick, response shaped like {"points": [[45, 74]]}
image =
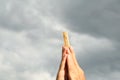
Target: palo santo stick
{"points": [[66, 39]]}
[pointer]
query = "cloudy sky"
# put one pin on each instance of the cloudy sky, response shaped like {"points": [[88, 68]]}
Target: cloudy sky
{"points": [[31, 37]]}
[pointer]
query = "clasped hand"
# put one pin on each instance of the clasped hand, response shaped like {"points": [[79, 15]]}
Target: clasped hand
{"points": [[69, 68]]}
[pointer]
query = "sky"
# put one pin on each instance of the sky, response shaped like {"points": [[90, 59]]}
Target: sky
{"points": [[31, 37]]}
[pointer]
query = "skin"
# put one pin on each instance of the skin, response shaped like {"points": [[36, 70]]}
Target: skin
{"points": [[69, 68]]}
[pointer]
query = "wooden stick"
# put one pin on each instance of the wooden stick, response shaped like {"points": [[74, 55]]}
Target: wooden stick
{"points": [[66, 39]]}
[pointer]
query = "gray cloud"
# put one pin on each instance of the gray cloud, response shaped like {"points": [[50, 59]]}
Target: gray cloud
{"points": [[31, 39], [98, 18]]}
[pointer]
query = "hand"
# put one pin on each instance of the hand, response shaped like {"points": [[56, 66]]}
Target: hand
{"points": [[69, 68], [74, 70], [62, 72]]}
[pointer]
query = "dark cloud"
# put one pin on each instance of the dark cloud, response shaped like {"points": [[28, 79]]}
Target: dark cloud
{"points": [[97, 17]]}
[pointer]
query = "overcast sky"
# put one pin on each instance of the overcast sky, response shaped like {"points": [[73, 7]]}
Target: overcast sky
{"points": [[31, 37]]}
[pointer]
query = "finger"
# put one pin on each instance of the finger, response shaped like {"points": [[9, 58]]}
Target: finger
{"points": [[71, 50], [73, 55], [70, 62], [63, 49], [63, 61]]}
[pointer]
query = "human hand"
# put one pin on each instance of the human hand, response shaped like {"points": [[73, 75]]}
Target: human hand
{"points": [[62, 72], [75, 72], [69, 68]]}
